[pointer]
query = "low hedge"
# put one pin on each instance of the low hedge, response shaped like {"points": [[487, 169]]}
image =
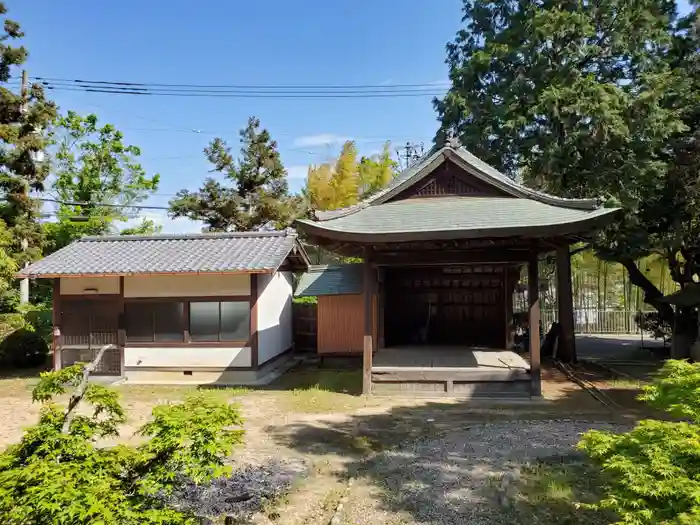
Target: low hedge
{"points": [[25, 337], [24, 348]]}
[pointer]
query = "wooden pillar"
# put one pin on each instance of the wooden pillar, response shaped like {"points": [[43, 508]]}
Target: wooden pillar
{"points": [[566, 350], [508, 305], [381, 303], [367, 345], [253, 340], [533, 295], [56, 322]]}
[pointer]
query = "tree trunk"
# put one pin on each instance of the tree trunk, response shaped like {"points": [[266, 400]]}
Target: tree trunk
{"points": [[652, 294], [685, 332], [684, 322]]}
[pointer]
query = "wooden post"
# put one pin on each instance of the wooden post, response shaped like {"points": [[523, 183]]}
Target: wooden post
{"points": [[533, 295], [566, 351], [253, 342], [381, 303], [56, 322], [368, 289], [508, 305]]}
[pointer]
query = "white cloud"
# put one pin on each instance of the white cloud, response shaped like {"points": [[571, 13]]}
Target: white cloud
{"points": [[322, 139], [297, 172], [160, 218], [386, 82], [181, 225]]}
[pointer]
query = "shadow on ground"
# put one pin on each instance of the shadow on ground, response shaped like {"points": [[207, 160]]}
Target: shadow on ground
{"points": [[443, 461]]}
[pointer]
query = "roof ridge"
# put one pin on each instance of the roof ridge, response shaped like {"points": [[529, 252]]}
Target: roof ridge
{"points": [[400, 178], [187, 236]]}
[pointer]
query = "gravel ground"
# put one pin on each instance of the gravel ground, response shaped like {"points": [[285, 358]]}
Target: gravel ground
{"points": [[453, 478], [448, 475]]}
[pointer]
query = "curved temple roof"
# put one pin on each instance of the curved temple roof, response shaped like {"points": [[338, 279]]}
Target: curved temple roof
{"points": [[518, 211]]}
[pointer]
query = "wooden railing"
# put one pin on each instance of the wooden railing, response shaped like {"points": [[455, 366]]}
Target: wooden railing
{"points": [[94, 339]]}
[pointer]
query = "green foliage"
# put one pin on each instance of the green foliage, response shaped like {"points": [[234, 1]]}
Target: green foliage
{"points": [[94, 169], [258, 196], [23, 124], [145, 227], [589, 99], [306, 300], [8, 268], [31, 318], [60, 475], [653, 471], [23, 348]]}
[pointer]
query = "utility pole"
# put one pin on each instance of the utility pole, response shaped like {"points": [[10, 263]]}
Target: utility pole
{"points": [[409, 154], [24, 94]]}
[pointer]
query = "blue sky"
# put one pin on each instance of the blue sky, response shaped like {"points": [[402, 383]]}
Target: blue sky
{"points": [[270, 42], [243, 42]]}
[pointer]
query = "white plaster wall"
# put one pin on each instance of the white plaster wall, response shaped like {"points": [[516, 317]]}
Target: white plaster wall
{"points": [[77, 285], [184, 357], [274, 315], [186, 285]]}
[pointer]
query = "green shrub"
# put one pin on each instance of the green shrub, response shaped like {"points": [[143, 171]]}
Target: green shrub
{"points": [[23, 348], [11, 322], [58, 473], [306, 300], [653, 471], [654, 324]]}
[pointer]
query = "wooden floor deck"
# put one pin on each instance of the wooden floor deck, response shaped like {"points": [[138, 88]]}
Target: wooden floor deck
{"points": [[449, 370]]}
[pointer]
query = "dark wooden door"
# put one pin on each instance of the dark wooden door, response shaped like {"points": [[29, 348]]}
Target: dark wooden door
{"points": [[446, 306], [87, 324]]}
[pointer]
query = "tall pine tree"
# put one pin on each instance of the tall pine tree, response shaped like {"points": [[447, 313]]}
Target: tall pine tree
{"points": [[24, 119], [254, 194]]}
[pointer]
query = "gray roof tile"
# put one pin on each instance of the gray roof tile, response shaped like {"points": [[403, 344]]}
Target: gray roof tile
{"points": [[472, 164], [192, 253], [338, 279], [472, 216]]}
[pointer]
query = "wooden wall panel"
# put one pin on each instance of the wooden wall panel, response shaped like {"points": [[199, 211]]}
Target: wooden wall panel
{"points": [[450, 180], [340, 324]]}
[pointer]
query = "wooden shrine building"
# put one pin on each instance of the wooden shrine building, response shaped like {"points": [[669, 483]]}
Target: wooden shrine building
{"points": [[443, 246]]}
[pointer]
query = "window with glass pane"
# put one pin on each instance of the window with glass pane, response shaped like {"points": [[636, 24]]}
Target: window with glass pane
{"points": [[204, 321], [220, 321], [154, 321], [235, 321], [139, 321], [168, 321]]}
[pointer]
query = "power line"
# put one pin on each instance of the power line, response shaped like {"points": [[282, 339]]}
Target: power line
{"points": [[215, 94], [102, 204], [254, 91], [240, 90], [124, 84]]}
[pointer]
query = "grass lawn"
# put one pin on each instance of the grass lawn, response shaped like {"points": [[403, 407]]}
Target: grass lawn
{"points": [[556, 491]]}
